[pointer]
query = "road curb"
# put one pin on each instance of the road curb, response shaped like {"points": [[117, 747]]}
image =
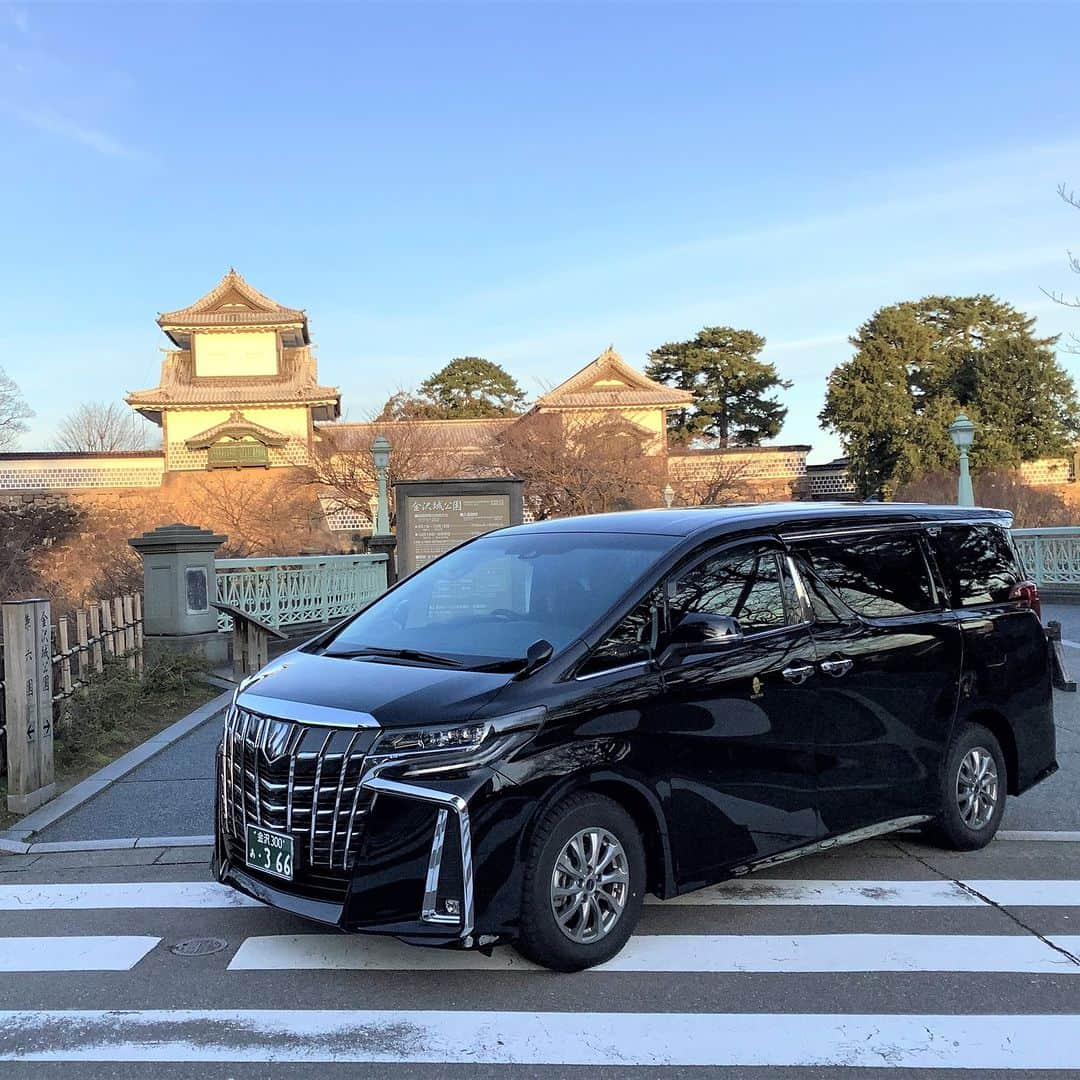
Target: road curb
{"points": [[16, 840], [14, 847]]}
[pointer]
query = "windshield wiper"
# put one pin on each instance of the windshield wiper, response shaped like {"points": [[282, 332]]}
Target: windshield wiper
{"points": [[394, 654]]}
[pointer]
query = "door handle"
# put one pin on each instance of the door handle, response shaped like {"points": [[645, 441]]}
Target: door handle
{"points": [[798, 674], [836, 668]]}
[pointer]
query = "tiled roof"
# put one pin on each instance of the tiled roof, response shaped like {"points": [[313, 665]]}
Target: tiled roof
{"points": [[426, 436], [236, 427], [181, 386], [610, 382], [233, 303], [231, 299]]}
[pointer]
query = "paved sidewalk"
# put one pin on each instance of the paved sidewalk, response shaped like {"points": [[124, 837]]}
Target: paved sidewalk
{"points": [[172, 794]]}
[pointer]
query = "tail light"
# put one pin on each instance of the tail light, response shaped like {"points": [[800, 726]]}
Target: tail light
{"points": [[1027, 592]]}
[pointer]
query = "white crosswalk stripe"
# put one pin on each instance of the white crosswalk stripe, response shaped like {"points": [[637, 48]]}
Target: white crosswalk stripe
{"points": [[685, 953], [528, 1038], [100, 953], [89, 896], [980, 970], [747, 891]]}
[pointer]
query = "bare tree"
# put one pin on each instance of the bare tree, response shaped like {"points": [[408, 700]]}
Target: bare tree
{"points": [[342, 470], [578, 468], [27, 535], [1031, 506], [1072, 261], [97, 427], [260, 515], [13, 412], [716, 480]]}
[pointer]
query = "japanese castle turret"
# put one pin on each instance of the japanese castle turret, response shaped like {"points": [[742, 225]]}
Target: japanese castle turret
{"points": [[241, 386]]}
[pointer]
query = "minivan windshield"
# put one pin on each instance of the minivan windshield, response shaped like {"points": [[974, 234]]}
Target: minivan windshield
{"points": [[493, 598]]}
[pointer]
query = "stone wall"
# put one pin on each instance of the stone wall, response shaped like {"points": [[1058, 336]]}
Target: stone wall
{"points": [[738, 474], [48, 471]]}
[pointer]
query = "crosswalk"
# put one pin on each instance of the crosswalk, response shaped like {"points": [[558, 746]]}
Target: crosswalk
{"points": [[926, 973]]}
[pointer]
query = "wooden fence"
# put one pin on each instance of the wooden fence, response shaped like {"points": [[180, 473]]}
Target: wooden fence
{"points": [[80, 643]]}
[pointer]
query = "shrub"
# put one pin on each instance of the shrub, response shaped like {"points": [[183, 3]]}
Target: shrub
{"points": [[103, 708]]}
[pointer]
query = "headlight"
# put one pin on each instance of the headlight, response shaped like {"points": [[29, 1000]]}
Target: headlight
{"points": [[434, 749]]}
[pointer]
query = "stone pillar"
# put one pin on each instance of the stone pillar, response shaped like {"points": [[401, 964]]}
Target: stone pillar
{"points": [[179, 589], [385, 545], [28, 703]]}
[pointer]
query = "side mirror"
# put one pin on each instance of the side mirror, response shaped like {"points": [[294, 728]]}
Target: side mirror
{"points": [[701, 631]]}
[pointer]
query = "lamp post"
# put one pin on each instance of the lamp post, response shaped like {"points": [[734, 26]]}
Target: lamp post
{"points": [[669, 495], [962, 433], [380, 454]]}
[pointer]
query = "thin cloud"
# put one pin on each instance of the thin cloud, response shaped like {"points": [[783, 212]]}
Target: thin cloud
{"points": [[17, 17], [53, 123]]}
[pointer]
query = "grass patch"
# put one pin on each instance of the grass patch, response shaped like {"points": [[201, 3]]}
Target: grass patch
{"points": [[117, 711]]}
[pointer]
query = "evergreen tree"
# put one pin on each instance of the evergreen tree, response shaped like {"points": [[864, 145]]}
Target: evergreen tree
{"points": [[731, 386], [470, 386], [918, 363]]}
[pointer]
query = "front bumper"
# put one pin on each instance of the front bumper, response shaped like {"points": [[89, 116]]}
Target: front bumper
{"points": [[413, 877]]}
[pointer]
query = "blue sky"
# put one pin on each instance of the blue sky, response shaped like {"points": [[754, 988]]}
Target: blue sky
{"points": [[526, 182]]}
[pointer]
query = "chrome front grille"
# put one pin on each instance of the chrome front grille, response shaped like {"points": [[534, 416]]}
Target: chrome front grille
{"points": [[298, 779]]}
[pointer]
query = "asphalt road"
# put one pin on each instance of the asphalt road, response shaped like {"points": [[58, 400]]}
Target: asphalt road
{"points": [[891, 956]]}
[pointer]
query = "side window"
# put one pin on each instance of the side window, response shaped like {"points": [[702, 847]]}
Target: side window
{"points": [[977, 563], [827, 607], [631, 639], [749, 587], [877, 576]]}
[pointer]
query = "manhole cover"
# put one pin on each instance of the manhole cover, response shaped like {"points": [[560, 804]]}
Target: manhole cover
{"points": [[199, 946]]}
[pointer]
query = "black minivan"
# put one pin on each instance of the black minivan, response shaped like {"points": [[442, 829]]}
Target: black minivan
{"points": [[519, 741]]}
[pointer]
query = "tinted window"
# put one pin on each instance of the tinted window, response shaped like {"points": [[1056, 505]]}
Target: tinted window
{"points": [[977, 563], [826, 605], [632, 639], [496, 596], [876, 576], [748, 587]]}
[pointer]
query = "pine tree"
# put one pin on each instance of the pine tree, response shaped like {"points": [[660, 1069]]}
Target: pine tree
{"points": [[731, 386]]}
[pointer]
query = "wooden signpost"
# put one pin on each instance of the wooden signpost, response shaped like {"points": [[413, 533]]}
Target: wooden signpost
{"points": [[28, 702]]}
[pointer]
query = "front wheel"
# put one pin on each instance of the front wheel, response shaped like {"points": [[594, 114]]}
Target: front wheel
{"points": [[584, 884], [974, 784]]}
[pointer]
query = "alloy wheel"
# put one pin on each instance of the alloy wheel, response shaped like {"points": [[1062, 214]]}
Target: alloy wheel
{"points": [[977, 788], [589, 885]]}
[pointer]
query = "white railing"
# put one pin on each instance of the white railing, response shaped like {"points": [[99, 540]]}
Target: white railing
{"points": [[1050, 556], [305, 589]]}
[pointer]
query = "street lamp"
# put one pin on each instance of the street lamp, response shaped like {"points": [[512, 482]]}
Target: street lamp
{"points": [[380, 454], [669, 495], [962, 433]]}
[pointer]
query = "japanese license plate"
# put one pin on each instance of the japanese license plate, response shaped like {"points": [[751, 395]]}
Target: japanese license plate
{"points": [[270, 852]]}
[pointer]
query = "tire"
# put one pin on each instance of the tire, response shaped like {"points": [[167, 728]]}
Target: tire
{"points": [[964, 824], [558, 931]]}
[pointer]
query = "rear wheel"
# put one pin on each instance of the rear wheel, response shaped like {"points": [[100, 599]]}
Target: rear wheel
{"points": [[973, 791], [584, 884]]}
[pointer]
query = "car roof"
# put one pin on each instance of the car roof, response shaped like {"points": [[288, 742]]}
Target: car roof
{"points": [[780, 517]]}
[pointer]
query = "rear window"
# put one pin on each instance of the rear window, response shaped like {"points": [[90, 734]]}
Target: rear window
{"points": [[977, 563], [877, 576]]}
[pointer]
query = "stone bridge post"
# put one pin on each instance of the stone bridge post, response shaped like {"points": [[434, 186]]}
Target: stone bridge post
{"points": [[179, 590]]}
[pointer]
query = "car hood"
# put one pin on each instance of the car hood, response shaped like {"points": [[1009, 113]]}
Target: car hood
{"points": [[390, 693]]}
